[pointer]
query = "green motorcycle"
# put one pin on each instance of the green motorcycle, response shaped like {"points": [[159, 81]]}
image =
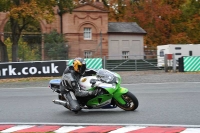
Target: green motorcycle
{"points": [[110, 92]]}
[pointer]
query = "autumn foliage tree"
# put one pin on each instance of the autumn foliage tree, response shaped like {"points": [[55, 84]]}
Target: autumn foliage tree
{"points": [[157, 17], [190, 20], [22, 12], [166, 21], [117, 9]]}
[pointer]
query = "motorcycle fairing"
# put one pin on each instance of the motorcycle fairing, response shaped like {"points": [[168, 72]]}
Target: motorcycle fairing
{"points": [[54, 84], [118, 95], [108, 87], [84, 82], [100, 101], [105, 99], [55, 81]]}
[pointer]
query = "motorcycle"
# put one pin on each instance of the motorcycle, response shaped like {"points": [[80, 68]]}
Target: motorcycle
{"points": [[110, 93]]}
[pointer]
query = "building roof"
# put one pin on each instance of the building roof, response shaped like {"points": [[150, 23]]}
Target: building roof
{"points": [[125, 27]]}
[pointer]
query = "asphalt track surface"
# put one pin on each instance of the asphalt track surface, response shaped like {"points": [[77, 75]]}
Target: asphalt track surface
{"points": [[164, 107]]}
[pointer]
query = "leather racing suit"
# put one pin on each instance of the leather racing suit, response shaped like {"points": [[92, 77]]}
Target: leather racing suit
{"points": [[69, 81]]}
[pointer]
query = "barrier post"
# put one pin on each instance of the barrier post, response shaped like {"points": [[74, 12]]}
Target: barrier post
{"points": [[166, 64], [174, 63], [104, 62], [180, 64]]}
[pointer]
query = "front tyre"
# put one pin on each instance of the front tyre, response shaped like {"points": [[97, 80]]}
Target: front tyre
{"points": [[131, 102]]}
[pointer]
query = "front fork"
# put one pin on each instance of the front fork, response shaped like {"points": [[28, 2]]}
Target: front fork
{"points": [[118, 95]]}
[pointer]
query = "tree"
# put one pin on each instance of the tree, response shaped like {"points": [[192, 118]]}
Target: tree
{"points": [[117, 9], [22, 12], [4, 53], [190, 20], [158, 18], [26, 53], [55, 46]]}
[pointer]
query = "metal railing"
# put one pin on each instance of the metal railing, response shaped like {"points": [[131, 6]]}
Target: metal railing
{"points": [[132, 63]]}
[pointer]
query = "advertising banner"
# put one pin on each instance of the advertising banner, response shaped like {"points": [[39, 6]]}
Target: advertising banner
{"points": [[191, 63], [32, 69]]}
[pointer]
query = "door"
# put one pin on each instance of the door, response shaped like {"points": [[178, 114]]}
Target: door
{"points": [[114, 49]]}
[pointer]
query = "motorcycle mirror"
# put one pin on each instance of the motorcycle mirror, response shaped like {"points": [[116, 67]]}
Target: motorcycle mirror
{"points": [[93, 81]]}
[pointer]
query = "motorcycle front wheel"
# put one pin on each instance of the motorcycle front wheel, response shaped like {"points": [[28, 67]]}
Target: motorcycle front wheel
{"points": [[131, 102]]}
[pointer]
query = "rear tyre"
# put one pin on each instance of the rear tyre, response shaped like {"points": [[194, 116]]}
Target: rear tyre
{"points": [[131, 102]]}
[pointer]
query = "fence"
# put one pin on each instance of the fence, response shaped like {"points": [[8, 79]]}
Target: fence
{"points": [[131, 63]]}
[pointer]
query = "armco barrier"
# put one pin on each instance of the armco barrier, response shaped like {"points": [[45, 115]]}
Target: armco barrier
{"points": [[32, 69]]}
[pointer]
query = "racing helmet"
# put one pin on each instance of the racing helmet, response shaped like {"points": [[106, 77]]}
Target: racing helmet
{"points": [[79, 65]]}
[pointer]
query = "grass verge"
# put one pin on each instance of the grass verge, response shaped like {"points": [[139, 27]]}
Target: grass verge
{"points": [[29, 79]]}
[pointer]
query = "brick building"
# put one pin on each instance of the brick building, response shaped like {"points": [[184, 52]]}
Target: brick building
{"points": [[88, 27], [89, 33], [85, 29]]}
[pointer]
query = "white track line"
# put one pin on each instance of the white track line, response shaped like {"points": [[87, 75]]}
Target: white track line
{"points": [[67, 129], [126, 129], [191, 130]]}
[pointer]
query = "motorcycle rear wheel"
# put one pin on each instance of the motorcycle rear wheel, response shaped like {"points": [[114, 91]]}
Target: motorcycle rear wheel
{"points": [[131, 102]]}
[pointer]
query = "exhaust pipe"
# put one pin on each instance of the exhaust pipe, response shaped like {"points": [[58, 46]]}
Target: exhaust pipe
{"points": [[60, 102]]}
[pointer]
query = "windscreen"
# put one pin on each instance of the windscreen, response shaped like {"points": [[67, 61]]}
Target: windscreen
{"points": [[105, 75]]}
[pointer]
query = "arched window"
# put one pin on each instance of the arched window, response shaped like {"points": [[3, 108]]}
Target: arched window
{"points": [[87, 34], [162, 53]]}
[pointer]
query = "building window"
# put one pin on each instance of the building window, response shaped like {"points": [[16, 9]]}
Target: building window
{"points": [[87, 33], [177, 53], [125, 54], [178, 48], [190, 53], [162, 53], [88, 54]]}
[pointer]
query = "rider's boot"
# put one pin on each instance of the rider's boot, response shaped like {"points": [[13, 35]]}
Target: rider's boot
{"points": [[74, 105]]}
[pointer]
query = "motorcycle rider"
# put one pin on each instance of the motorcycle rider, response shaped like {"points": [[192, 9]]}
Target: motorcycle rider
{"points": [[69, 84]]}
